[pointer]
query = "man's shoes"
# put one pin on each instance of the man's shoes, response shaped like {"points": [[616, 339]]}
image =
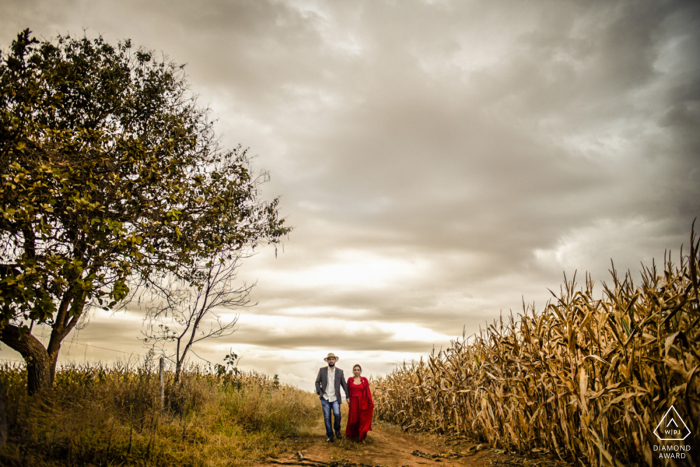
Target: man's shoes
{"points": [[337, 435], [329, 440]]}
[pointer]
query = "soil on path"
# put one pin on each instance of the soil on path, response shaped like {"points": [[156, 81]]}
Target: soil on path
{"points": [[387, 445]]}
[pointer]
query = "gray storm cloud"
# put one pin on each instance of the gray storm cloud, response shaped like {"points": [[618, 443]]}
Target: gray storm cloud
{"points": [[440, 161]]}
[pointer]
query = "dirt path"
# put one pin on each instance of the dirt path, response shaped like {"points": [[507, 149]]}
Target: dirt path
{"points": [[388, 446]]}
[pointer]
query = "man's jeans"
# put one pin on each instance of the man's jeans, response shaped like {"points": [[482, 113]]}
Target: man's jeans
{"points": [[327, 406]]}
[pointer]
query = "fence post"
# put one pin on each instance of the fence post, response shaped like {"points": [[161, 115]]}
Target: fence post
{"points": [[162, 383]]}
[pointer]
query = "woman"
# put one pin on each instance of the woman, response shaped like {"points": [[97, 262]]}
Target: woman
{"points": [[360, 406]]}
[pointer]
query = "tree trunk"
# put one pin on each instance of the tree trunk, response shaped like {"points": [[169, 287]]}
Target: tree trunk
{"points": [[34, 353], [54, 348], [3, 418], [53, 361], [69, 312], [178, 369]]}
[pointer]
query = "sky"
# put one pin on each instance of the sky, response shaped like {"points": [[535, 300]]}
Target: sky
{"points": [[440, 161]]}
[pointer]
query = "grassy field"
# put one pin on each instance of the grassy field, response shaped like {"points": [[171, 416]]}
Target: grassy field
{"points": [[110, 415], [586, 378]]}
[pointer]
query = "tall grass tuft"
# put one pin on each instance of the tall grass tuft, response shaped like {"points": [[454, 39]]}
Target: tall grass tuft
{"points": [[102, 415], [586, 378]]}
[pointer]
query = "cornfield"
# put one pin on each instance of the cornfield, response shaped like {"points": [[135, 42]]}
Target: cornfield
{"points": [[587, 379]]}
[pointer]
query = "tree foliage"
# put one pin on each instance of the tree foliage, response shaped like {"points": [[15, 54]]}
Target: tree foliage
{"points": [[108, 169]]}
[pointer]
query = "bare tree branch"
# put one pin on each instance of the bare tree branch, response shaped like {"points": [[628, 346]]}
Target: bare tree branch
{"points": [[183, 312]]}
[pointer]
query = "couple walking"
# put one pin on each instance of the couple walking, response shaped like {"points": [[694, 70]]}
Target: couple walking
{"points": [[360, 405]]}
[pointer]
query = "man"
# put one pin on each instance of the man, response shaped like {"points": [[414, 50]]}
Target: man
{"points": [[328, 383]]}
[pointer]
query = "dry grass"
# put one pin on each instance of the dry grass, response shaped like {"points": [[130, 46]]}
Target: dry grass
{"points": [[586, 378], [109, 416]]}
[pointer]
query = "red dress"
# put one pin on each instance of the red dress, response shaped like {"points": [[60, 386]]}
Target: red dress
{"points": [[361, 409]]}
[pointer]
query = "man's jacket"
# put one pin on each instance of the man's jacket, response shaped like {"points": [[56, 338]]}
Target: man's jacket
{"points": [[322, 382]]}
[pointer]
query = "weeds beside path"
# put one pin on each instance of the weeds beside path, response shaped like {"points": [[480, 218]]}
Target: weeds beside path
{"points": [[100, 416], [110, 416], [388, 446]]}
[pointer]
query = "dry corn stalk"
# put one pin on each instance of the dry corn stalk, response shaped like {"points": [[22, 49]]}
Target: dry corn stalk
{"points": [[586, 378]]}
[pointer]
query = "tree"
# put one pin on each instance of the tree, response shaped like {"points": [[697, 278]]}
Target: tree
{"points": [[176, 310], [108, 170]]}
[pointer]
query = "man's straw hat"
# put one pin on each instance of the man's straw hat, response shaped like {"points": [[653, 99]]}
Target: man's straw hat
{"points": [[331, 355]]}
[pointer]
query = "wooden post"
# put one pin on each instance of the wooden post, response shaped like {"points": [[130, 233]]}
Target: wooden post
{"points": [[162, 383]]}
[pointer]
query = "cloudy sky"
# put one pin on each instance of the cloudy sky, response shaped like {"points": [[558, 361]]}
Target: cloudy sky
{"points": [[440, 161]]}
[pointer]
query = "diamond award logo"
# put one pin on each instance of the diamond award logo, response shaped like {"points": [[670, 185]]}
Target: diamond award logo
{"points": [[672, 427]]}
